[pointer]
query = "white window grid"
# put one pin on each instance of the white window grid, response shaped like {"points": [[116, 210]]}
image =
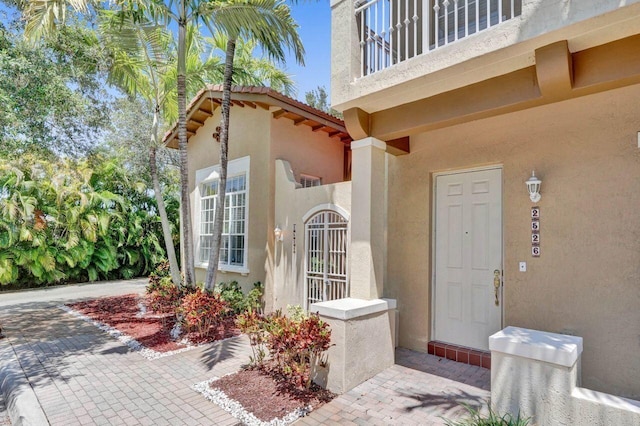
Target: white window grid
{"points": [[307, 181], [232, 245]]}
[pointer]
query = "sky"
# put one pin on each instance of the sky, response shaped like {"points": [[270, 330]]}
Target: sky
{"points": [[314, 19]]}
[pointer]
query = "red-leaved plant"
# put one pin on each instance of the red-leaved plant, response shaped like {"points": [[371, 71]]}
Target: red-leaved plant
{"points": [[163, 296], [296, 344], [200, 310]]}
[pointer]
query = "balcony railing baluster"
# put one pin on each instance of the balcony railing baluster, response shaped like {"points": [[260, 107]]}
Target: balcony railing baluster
{"points": [[392, 31]]}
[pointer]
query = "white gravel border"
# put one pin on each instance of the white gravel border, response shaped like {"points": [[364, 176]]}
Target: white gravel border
{"points": [[128, 340], [234, 408]]}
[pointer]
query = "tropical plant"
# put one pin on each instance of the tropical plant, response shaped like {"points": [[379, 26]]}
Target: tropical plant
{"points": [[253, 325], [201, 310], [164, 297], [238, 302], [296, 343], [491, 418], [141, 61], [74, 221], [270, 24], [249, 70]]}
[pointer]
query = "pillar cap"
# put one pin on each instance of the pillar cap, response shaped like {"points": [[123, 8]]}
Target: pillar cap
{"points": [[363, 143], [559, 349], [351, 308]]}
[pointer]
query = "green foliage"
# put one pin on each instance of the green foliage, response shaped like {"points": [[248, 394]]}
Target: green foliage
{"points": [[232, 294], [66, 221], [476, 418], [51, 98], [254, 325], [296, 343], [319, 99]]}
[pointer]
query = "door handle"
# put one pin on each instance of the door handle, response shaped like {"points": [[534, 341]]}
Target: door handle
{"points": [[496, 285]]}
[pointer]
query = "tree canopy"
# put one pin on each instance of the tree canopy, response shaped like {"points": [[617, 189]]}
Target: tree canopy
{"points": [[52, 100]]}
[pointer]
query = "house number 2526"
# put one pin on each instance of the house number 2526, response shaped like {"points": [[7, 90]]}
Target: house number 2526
{"points": [[535, 231]]}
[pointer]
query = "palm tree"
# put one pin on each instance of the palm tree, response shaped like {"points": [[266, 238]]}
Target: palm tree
{"points": [[268, 22], [143, 56], [273, 27], [249, 70], [142, 64]]}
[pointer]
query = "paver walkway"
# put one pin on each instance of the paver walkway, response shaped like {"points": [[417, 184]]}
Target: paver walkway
{"points": [[420, 389], [81, 376]]}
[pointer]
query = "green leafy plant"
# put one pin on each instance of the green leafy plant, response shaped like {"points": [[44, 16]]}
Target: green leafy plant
{"points": [[238, 302], [70, 221], [476, 418], [253, 325]]}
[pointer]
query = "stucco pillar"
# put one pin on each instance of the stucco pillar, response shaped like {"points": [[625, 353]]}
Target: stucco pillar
{"points": [[537, 374], [345, 50], [367, 223]]}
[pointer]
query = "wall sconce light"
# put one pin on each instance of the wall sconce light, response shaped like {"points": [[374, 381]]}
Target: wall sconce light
{"points": [[278, 234], [533, 186]]}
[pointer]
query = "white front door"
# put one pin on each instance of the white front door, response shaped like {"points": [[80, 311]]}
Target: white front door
{"points": [[468, 241]]}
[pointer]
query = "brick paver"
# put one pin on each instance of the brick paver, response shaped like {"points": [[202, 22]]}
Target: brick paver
{"points": [[81, 376], [420, 389]]}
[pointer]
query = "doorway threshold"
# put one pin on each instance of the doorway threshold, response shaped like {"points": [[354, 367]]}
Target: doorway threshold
{"points": [[460, 354]]}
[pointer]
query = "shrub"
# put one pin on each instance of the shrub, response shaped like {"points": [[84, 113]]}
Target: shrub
{"points": [[237, 301], [491, 419], [253, 325], [201, 310], [161, 271], [164, 297], [296, 344]]}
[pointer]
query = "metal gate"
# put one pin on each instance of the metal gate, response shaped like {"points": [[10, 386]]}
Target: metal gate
{"points": [[326, 258]]}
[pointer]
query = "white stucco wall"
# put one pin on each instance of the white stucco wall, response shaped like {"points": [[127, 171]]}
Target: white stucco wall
{"points": [[537, 374]]}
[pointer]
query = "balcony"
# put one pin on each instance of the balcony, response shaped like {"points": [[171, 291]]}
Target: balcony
{"points": [[392, 31], [388, 53]]}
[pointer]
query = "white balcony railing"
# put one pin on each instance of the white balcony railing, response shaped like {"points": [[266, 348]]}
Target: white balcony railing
{"points": [[392, 31]]}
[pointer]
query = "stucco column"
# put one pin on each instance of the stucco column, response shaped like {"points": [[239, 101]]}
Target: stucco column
{"points": [[367, 218], [345, 50]]}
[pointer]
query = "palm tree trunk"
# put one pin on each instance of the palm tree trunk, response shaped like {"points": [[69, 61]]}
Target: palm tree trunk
{"points": [[162, 211], [212, 269], [185, 202]]}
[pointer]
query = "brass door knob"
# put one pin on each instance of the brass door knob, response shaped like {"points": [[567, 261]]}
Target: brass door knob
{"points": [[496, 285]]}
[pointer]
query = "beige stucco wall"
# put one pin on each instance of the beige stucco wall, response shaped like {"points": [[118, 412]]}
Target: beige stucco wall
{"points": [[291, 205], [499, 50], [587, 281], [244, 139], [308, 152], [255, 133]]}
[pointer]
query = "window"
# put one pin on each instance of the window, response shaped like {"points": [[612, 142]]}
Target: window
{"points": [[307, 181], [233, 245]]}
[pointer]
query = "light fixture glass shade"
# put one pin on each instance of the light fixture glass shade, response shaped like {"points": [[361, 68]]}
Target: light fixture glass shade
{"points": [[278, 234], [533, 186]]}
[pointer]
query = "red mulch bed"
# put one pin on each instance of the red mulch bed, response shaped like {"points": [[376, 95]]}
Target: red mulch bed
{"points": [[268, 396], [152, 330]]}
